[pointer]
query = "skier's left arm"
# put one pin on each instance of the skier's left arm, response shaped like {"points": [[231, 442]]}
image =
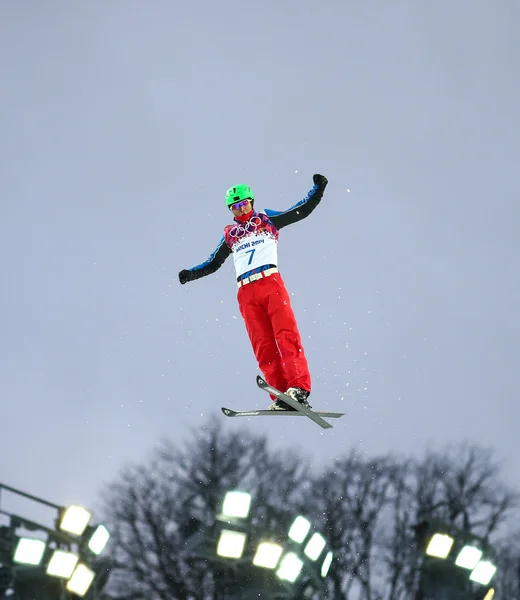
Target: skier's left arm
{"points": [[301, 209]]}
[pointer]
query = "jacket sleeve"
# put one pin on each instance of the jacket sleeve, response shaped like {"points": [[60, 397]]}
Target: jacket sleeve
{"points": [[299, 211], [213, 262]]}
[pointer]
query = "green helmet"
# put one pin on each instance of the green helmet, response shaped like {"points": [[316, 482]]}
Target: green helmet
{"points": [[237, 193]]}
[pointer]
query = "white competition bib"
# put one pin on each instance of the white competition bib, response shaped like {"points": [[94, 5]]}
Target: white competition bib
{"points": [[253, 251]]}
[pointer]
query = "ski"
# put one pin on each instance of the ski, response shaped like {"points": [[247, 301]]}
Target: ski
{"points": [[263, 385], [229, 412]]}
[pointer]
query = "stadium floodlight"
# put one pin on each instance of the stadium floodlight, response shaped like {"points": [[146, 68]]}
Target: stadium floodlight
{"points": [[440, 545], [315, 546], [99, 539], [267, 555], [236, 504], [468, 557], [299, 529], [62, 564], [81, 580], [483, 573], [231, 543], [75, 520], [29, 551], [290, 567], [326, 564]]}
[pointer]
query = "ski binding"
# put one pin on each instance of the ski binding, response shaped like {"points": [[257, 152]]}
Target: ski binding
{"points": [[299, 410]]}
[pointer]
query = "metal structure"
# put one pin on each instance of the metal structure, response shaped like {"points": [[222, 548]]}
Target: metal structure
{"points": [[293, 564], [455, 564], [50, 563]]}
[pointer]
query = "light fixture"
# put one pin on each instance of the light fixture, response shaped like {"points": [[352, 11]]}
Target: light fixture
{"points": [[62, 564], [483, 573], [468, 557], [236, 504], [315, 546], [326, 564], [29, 551], [290, 567], [99, 539], [81, 580], [75, 520], [267, 555], [231, 543], [440, 545], [299, 529]]}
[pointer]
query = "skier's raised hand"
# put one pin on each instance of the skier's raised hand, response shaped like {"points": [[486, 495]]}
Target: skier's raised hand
{"points": [[320, 180], [185, 276]]}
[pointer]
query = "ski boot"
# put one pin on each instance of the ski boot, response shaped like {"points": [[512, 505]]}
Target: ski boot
{"points": [[296, 394], [280, 405], [299, 395]]}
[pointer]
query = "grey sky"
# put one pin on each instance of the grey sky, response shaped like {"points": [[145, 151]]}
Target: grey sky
{"points": [[123, 124]]}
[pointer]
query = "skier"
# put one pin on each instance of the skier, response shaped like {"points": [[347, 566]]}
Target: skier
{"points": [[262, 297]]}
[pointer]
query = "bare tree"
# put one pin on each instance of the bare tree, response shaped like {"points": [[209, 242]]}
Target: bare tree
{"points": [[462, 486], [508, 581], [396, 535], [352, 495], [156, 508], [372, 510]]}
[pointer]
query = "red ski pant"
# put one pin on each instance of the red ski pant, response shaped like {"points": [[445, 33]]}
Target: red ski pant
{"points": [[271, 325]]}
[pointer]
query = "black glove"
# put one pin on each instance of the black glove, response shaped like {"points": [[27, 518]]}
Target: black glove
{"points": [[185, 276], [320, 180]]}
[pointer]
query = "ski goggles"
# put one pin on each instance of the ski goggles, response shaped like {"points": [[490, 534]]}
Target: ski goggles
{"points": [[239, 205]]}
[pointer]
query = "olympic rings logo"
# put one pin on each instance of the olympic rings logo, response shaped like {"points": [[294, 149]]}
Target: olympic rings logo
{"points": [[238, 231]]}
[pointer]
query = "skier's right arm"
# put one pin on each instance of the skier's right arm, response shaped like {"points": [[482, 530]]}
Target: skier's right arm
{"points": [[210, 265]]}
